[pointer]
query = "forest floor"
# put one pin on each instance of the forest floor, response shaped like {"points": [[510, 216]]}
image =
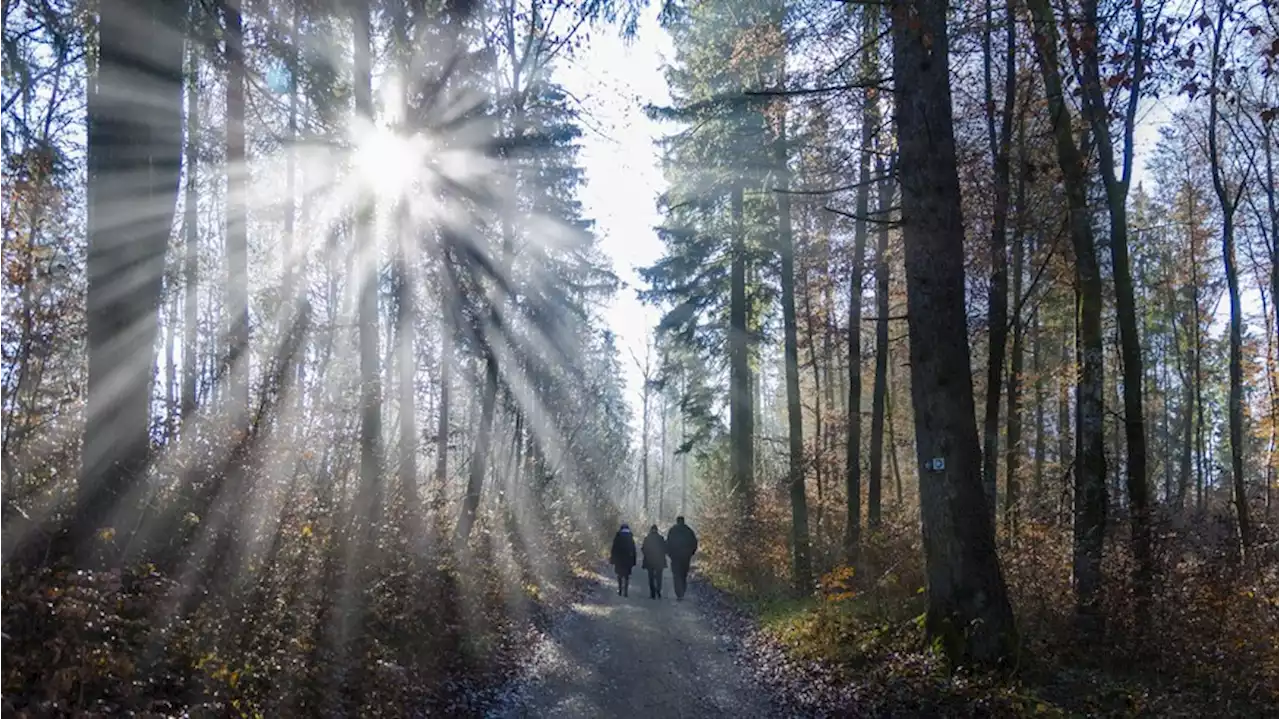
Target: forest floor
{"points": [[612, 656]]}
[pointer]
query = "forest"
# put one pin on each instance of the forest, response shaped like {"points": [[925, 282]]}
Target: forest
{"points": [[965, 372]]}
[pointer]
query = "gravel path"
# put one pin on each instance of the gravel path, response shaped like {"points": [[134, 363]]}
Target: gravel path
{"points": [[613, 656]]}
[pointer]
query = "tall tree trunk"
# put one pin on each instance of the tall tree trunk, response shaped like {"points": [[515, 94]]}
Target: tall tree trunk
{"points": [[172, 411], [134, 160], [1197, 353], [1098, 112], [832, 370], [801, 572], [292, 267], [1229, 202], [662, 466], [1091, 465], [1171, 348], [299, 272], [684, 454], [819, 408], [406, 361], [1066, 373], [191, 237], [1117, 430], [1273, 393], [1188, 426], [1013, 413], [237, 222], [998, 289], [368, 504], [1041, 398], [645, 396], [227, 497], [1273, 260], [740, 424], [1235, 398], [968, 607], [893, 442], [884, 199], [446, 378], [484, 439], [853, 445]]}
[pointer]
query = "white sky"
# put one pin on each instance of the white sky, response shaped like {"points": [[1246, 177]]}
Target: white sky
{"points": [[615, 80]]}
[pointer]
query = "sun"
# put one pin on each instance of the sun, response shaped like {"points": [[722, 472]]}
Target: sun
{"points": [[388, 164]]}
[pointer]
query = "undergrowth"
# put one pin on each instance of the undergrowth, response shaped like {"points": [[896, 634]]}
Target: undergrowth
{"points": [[437, 634], [1208, 647]]}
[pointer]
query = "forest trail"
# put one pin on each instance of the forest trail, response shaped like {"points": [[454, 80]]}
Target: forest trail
{"points": [[618, 656]]}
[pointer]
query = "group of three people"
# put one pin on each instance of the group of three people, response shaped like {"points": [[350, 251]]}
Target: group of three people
{"points": [[680, 544]]}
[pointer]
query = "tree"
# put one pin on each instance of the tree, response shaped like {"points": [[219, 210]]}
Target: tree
{"points": [[190, 222], [801, 570], [237, 302], [134, 131], [1097, 111], [1090, 463], [880, 391], [853, 446], [968, 607], [647, 379], [1229, 203], [998, 294]]}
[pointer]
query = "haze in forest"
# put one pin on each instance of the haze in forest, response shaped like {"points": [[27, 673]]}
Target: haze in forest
{"points": [[349, 346]]}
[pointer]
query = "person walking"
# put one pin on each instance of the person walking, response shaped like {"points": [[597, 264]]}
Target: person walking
{"points": [[682, 544], [623, 558], [655, 560]]}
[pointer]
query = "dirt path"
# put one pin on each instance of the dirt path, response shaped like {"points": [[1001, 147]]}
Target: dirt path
{"points": [[615, 656]]}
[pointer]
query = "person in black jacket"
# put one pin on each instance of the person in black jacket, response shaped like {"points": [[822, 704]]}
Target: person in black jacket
{"points": [[655, 560], [682, 544], [623, 558]]}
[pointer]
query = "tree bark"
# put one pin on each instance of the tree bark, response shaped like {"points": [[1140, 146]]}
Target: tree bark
{"points": [[998, 289], [740, 424], [1013, 413], [1188, 426], [1041, 398], [853, 445], [819, 408], [369, 497], [237, 370], [801, 572], [1066, 373], [1229, 204], [191, 239], [884, 198], [662, 465], [406, 360], [645, 396], [1098, 113], [1090, 471], [444, 406], [134, 159], [968, 607]]}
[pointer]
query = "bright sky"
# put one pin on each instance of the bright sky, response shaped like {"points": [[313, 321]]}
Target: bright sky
{"points": [[615, 80]]}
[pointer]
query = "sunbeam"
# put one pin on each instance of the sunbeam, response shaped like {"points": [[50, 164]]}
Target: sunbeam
{"points": [[296, 337]]}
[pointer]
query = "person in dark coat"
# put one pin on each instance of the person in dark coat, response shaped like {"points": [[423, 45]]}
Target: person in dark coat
{"points": [[682, 544], [623, 558], [655, 560]]}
